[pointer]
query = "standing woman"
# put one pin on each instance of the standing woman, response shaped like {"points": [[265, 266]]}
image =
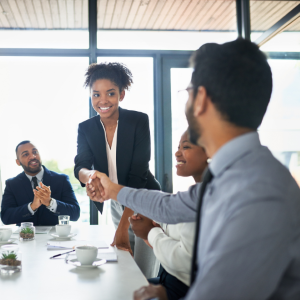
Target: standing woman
{"points": [[117, 142]]}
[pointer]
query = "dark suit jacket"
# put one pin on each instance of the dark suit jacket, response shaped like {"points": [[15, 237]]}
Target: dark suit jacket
{"points": [[133, 150], [18, 193]]}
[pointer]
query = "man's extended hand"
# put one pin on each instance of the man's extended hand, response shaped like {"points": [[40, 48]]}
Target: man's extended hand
{"points": [[93, 189], [141, 226], [151, 291], [108, 189], [43, 193]]}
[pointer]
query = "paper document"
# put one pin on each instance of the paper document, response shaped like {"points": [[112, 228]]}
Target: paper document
{"points": [[108, 254], [38, 229], [64, 245]]}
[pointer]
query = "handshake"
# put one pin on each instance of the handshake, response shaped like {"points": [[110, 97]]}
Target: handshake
{"points": [[100, 188]]}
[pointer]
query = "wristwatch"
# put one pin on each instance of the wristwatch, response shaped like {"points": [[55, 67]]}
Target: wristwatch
{"points": [[50, 203]]}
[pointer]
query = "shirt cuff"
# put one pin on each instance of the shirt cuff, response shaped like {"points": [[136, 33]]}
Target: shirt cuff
{"points": [[153, 233], [53, 206], [30, 209], [121, 198]]}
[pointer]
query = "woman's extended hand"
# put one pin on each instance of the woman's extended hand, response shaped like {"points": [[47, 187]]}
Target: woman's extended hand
{"points": [[142, 225], [121, 240], [93, 189]]}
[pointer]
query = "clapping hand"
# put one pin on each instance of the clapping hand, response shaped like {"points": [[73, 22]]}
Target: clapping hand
{"points": [[36, 203], [43, 193], [151, 291]]}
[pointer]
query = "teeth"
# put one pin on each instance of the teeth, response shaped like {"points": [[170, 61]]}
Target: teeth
{"points": [[104, 108], [180, 163]]}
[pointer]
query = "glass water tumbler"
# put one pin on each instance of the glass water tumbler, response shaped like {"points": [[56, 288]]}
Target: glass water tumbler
{"points": [[10, 259], [27, 231], [63, 220]]}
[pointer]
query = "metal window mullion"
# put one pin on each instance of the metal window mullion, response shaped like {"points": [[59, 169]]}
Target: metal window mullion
{"points": [[158, 119], [92, 10], [243, 18]]}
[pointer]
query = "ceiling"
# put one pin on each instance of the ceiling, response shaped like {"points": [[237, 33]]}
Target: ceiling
{"points": [[215, 15]]}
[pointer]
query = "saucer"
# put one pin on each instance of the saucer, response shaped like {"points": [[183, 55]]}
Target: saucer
{"points": [[10, 241], [98, 262], [56, 236]]}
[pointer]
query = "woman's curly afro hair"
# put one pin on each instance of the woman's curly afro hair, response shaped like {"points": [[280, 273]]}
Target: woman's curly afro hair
{"points": [[118, 73]]}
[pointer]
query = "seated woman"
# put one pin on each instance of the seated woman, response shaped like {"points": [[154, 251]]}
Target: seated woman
{"points": [[173, 244]]}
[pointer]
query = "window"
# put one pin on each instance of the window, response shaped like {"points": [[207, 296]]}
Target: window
{"points": [[43, 100], [280, 130]]}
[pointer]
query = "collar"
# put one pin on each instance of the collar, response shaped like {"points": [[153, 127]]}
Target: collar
{"points": [[39, 175], [232, 151]]}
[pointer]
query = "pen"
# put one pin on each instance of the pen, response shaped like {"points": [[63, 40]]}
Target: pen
{"points": [[62, 254]]}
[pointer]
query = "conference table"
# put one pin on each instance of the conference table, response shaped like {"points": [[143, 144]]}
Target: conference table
{"points": [[42, 278]]}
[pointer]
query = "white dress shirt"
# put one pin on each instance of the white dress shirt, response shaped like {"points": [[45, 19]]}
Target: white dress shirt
{"points": [[249, 236], [173, 247], [111, 153], [53, 204]]}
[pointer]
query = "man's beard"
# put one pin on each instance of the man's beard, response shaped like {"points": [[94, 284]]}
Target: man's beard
{"points": [[32, 170], [194, 128]]}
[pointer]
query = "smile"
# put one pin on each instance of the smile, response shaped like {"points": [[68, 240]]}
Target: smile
{"points": [[105, 109], [180, 163]]}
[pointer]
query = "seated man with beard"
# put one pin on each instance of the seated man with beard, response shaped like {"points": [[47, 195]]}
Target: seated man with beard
{"points": [[37, 195]]}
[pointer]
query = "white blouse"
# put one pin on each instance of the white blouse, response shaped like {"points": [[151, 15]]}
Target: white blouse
{"points": [[112, 156]]}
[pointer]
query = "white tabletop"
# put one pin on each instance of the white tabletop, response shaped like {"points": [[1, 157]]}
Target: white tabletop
{"points": [[43, 278]]}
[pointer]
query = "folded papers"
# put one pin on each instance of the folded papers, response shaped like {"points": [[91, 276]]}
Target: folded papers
{"points": [[108, 254], [65, 245]]}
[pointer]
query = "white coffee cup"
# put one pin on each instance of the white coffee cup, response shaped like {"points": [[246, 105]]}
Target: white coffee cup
{"points": [[5, 234], [86, 255], [63, 230]]}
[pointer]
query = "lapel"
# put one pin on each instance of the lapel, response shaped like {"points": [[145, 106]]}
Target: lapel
{"points": [[123, 143], [47, 177], [99, 142], [26, 185]]}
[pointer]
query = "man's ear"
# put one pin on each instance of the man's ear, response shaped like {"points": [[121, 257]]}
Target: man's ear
{"points": [[122, 95], [18, 162], [200, 103]]}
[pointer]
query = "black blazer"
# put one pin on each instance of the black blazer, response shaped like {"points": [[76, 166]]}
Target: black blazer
{"points": [[18, 193], [133, 150]]}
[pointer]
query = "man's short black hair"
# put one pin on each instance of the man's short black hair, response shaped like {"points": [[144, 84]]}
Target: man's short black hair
{"points": [[22, 143], [237, 78]]}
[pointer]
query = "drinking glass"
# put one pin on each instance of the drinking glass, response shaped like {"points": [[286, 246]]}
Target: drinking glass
{"points": [[63, 220]]}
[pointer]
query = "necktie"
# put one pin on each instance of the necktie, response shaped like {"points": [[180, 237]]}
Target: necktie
{"points": [[206, 179], [35, 183]]}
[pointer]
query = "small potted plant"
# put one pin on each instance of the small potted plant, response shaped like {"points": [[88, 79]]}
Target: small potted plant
{"points": [[27, 232], [10, 259]]}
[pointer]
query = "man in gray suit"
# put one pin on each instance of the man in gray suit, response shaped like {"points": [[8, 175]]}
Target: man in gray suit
{"points": [[249, 232]]}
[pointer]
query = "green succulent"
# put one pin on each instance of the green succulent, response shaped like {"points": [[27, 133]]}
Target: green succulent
{"points": [[26, 230], [10, 255]]}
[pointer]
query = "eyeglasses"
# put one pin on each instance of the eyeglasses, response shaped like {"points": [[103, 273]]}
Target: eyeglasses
{"points": [[184, 94]]}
